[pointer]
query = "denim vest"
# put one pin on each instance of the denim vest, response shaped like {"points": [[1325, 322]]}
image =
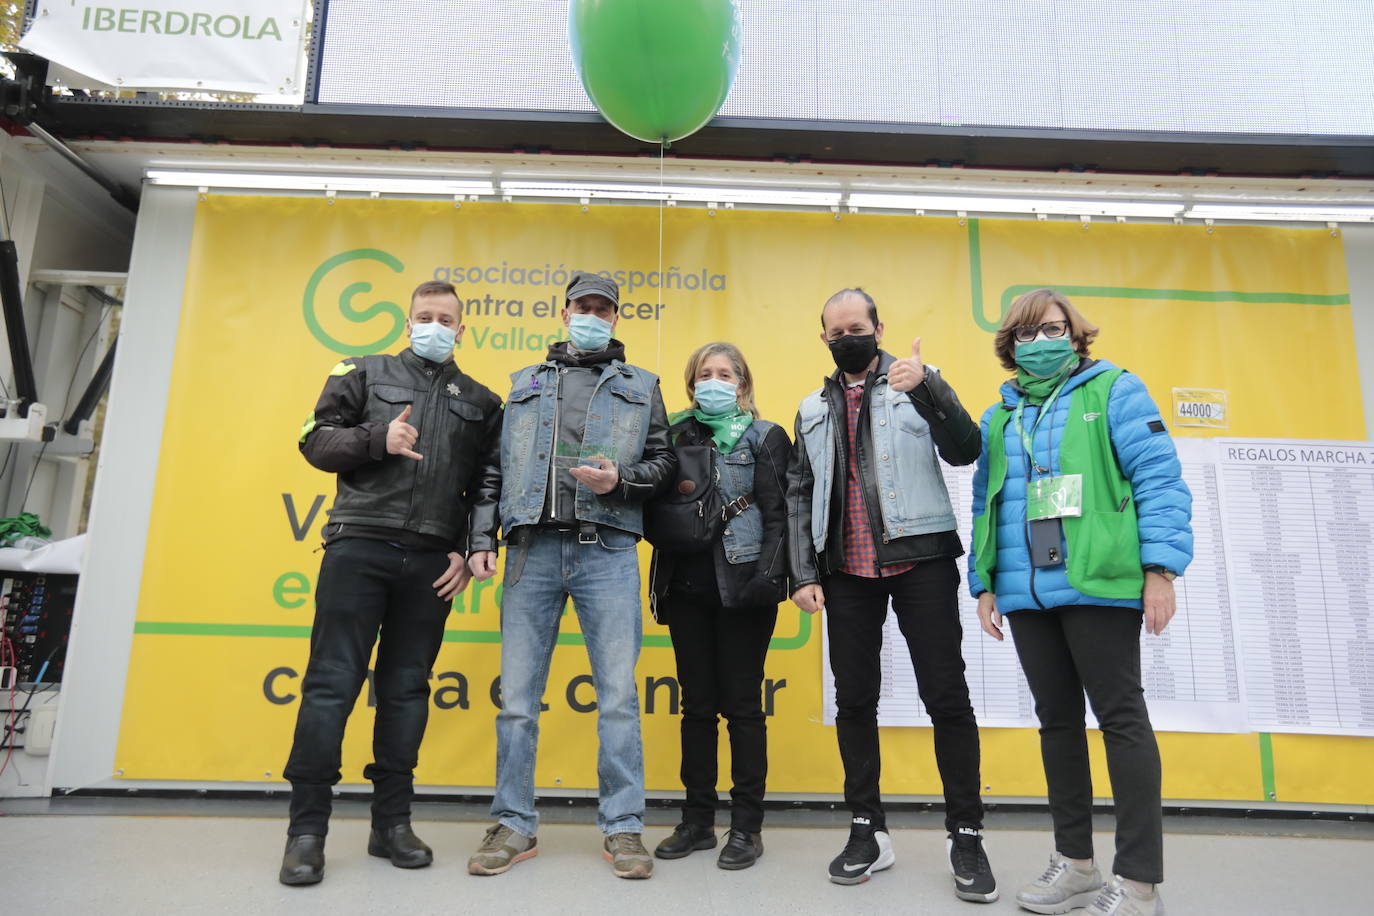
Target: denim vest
{"points": [[912, 498], [743, 538], [617, 425]]}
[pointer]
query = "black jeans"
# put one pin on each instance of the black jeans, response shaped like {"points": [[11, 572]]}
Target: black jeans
{"points": [[720, 653], [925, 600], [364, 586], [1065, 651]]}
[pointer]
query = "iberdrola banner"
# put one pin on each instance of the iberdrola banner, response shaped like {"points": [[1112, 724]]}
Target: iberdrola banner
{"points": [[212, 45], [280, 289]]}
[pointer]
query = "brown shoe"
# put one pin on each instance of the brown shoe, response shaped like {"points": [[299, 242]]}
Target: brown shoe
{"points": [[627, 855], [500, 850]]}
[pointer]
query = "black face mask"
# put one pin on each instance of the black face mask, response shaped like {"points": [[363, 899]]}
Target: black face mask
{"points": [[853, 352]]}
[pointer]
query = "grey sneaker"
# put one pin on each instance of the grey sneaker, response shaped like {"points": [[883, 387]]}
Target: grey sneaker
{"points": [[1060, 889], [501, 849], [1116, 899], [627, 855]]}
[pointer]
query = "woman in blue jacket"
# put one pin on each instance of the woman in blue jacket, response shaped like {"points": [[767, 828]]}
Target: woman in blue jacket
{"points": [[721, 603], [1081, 524]]}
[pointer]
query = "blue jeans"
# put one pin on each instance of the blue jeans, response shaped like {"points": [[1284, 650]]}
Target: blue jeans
{"points": [[603, 580]]}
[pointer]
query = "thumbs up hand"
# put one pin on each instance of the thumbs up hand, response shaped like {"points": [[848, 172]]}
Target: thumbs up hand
{"points": [[400, 436], [906, 374]]}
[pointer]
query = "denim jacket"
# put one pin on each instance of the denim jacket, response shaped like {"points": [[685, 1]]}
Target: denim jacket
{"points": [[911, 490], [902, 437], [624, 415], [743, 537], [752, 547]]}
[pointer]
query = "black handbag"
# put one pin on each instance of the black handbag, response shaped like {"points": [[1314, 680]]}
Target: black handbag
{"points": [[689, 516]]}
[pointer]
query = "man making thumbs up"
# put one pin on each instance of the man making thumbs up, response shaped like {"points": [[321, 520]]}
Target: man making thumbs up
{"points": [[870, 524], [409, 437]]}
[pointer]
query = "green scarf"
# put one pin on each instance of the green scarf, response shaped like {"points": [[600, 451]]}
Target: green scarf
{"points": [[725, 429], [1037, 389]]}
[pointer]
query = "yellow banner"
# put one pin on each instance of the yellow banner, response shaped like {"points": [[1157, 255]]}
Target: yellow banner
{"points": [[279, 289]]}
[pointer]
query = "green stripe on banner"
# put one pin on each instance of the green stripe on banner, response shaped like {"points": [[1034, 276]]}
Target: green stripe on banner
{"points": [[172, 628], [489, 637], [1266, 747], [975, 264]]}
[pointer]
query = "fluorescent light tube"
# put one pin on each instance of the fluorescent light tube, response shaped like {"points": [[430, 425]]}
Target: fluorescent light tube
{"points": [[278, 181], [1074, 207], [1315, 213], [701, 193]]}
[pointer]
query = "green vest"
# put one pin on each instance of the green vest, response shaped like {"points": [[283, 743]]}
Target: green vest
{"points": [[1103, 544]]}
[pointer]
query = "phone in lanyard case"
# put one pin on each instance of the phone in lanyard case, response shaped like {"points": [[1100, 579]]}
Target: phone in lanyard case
{"points": [[1046, 542]]}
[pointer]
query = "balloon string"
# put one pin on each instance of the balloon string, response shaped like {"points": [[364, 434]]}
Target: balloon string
{"points": [[658, 364]]}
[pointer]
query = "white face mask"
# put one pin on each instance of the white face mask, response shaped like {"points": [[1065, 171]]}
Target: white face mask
{"points": [[432, 341]]}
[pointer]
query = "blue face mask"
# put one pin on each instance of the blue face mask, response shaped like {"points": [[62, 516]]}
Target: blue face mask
{"points": [[588, 332], [432, 341], [716, 398]]}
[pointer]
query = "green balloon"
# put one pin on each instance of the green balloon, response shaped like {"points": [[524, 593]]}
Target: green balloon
{"points": [[656, 69]]}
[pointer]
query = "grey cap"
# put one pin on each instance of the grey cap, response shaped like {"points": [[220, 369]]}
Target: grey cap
{"points": [[585, 283]]}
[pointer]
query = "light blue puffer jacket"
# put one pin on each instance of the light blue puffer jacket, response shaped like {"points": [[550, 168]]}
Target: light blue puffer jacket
{"points": [[1148, 460]]}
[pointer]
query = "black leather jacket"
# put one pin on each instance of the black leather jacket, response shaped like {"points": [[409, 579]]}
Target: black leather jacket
{"points": [[459, 421], [956, 437]]}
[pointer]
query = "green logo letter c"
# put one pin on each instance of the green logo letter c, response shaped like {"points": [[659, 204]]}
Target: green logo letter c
{"points": [[348, 309]]}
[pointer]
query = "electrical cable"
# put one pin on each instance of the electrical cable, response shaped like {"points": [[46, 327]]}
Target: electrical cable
{"points": [[33, 689], [5, 207], [33, 473], [12, 720]]}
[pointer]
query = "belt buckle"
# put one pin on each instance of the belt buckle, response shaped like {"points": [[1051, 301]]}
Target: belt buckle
{"points": [[587, 535]]}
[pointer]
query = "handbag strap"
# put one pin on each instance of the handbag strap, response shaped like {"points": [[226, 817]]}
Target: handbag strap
{"points": [[736, 507]]}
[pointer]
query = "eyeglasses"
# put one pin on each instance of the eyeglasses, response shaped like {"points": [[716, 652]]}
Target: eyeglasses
{"points": [[1053, 330]]}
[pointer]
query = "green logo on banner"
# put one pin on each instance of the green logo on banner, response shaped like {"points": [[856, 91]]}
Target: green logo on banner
{"points": [[350, 311]]}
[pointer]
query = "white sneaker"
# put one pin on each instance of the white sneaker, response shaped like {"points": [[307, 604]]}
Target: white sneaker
{"points": [[1060, 889], [1117, 899]]}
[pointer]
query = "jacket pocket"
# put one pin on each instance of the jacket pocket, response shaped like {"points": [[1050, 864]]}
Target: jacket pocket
{"points": [[630, 394], [393, 394], [465, 409], [907, 420], [386, 402], [1110, 544]]}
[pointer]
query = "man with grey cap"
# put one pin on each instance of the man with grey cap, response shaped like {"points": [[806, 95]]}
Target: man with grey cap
{"points": [[584, 443]]}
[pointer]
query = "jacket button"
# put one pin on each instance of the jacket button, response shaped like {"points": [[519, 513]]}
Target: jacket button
{"points": [[884, 457], [882, 422], [892, 496], [727, 530]]}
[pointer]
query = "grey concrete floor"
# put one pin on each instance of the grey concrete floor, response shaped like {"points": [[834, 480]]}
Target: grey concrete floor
{"points": [[155, 856]]}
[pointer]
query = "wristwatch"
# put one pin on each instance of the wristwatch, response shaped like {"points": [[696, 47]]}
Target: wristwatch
{"points": [[1166, 573]]}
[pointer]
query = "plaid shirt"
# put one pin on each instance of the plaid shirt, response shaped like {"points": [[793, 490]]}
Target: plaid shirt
{"points": [[860, 551]]}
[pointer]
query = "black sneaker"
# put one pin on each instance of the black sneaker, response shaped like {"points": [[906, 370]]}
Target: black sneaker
{"points": [[869, 849], [968, 862]]}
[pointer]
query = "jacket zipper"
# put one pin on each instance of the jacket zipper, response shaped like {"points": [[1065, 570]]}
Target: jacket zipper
{"points": [[553, 446], [1030, 464], [421, 473], [880, 529]]}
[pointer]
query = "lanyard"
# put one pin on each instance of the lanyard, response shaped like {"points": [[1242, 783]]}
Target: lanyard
{"points": [[1028, 439]]}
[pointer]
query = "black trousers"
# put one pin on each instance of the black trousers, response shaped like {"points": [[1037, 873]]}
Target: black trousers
{"points": [[1064, 652], [366, 586], [720, 653], [925, 600]]}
